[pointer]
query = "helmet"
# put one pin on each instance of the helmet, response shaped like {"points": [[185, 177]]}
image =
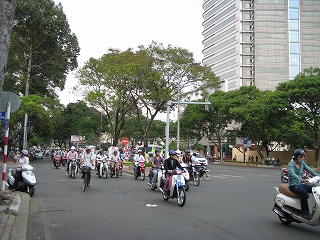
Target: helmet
{"points": [[139, 151], [88, 148], [115, 151], [25, 152], [178, 152], [298, 152], [73, 148], [172, 152]]}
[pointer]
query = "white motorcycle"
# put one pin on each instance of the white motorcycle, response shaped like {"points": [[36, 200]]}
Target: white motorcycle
{"points": [[177, 189], [160, 178], [288, 208], [73, 168], [186, 175], [27, 183], [103, 168]]}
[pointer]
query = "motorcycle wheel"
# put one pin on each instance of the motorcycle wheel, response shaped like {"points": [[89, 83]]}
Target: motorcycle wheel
{"points": [[207, 176], [284, 178], [57, 165], [105, 173], [30, 190], [196, 180], [284, 221], [143, 175], [117, 173], [135, 175], [73, 173], [120, 172], [165, 196], [187, 186], [181, 197]]}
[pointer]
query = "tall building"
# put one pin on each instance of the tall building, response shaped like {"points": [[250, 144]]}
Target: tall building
{"points": [[260, 42]]}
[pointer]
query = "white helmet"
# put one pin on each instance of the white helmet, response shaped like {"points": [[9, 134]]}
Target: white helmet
{"points": [[178, 152], [25, 152], [73, 148]]}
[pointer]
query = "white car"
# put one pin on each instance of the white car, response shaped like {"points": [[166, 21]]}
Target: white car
{"points": [[38, 154], [201, 158]]}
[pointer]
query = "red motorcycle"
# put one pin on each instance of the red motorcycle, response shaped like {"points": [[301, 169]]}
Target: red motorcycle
{"points": [[114, 170], [64, 159], [57, 161], [140, 171]]}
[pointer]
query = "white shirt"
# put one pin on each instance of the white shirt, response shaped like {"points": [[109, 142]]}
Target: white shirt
{"points": [[22, 161], [87, 158], [139, 158]]}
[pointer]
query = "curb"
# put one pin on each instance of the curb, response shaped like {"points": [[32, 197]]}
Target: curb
{"points": [[17, 223]]}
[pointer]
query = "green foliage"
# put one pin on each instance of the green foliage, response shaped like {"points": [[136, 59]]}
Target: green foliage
{"points": [[43, 50]]}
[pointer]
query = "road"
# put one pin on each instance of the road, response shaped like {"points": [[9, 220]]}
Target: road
{"points": [[236, 204]]}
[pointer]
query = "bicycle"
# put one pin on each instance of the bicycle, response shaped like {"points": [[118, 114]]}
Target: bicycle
{"points": [[86, 177]]}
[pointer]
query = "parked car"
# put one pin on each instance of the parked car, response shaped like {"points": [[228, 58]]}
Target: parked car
{"points": [[38, 154]]}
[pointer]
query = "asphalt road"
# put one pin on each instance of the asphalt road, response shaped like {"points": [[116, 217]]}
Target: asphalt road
{"points": [[236, 204]]}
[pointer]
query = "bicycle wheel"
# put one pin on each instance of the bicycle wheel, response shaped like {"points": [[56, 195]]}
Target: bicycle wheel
{"points": [[207, 175], [85, 181]]}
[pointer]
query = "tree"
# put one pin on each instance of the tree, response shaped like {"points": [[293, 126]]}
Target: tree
{"points": [[168, 73], [303, 95], [7, 9], [43, 49]]}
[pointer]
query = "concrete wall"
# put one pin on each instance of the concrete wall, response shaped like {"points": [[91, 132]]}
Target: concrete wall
{"points": [[284, 157]]}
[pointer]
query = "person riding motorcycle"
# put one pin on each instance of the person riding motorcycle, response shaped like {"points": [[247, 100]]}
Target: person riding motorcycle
{"points": [[156, 162], [297, 184], [170, 165], [138, 158], [72, 154], [186, 158], [100, 156], [22, 160], [114, 160], [87, 159]]}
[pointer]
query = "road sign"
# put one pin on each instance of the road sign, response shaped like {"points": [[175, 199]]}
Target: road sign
{"points": [[11, 97], [124, 141], [3, 116]]}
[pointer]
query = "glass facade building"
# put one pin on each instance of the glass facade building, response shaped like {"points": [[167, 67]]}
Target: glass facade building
{"points": [[260, 42]]}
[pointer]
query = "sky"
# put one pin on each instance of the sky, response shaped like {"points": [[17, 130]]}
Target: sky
{"points": [[122, 24]]}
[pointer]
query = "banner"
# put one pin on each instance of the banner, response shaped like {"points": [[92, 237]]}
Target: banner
{"points": [[77, 139]]}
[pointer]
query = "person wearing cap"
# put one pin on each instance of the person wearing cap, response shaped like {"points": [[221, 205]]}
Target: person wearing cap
{"points": [[87, 159], [156, 162], [72, 154], [114, 160], [99, 158], [170, 165], [138, 158], [22, 160]]}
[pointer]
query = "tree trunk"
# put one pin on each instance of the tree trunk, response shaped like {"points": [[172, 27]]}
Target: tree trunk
{"points": [[28, 78], [7, 9]]}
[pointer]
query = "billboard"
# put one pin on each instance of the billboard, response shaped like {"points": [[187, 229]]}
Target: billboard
{"points": [[77, 139]]}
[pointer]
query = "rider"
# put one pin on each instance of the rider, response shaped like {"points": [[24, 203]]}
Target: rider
{"points": [[170, 165], [22, 160], [100, 156], [138, 158], [114, 160], [297, 183], [87, 159], [72, 154], [156, 162], [186, 158]]}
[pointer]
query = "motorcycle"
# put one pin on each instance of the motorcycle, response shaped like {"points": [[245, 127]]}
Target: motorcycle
{"points": [[204, 172], [186, 175], [140, 171], [160, 179], [177, 189], [28, 182], [288, 208], [57, 161], [114, 170], [102, 168], [194, 175], [73, 168], [64, 159]]}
